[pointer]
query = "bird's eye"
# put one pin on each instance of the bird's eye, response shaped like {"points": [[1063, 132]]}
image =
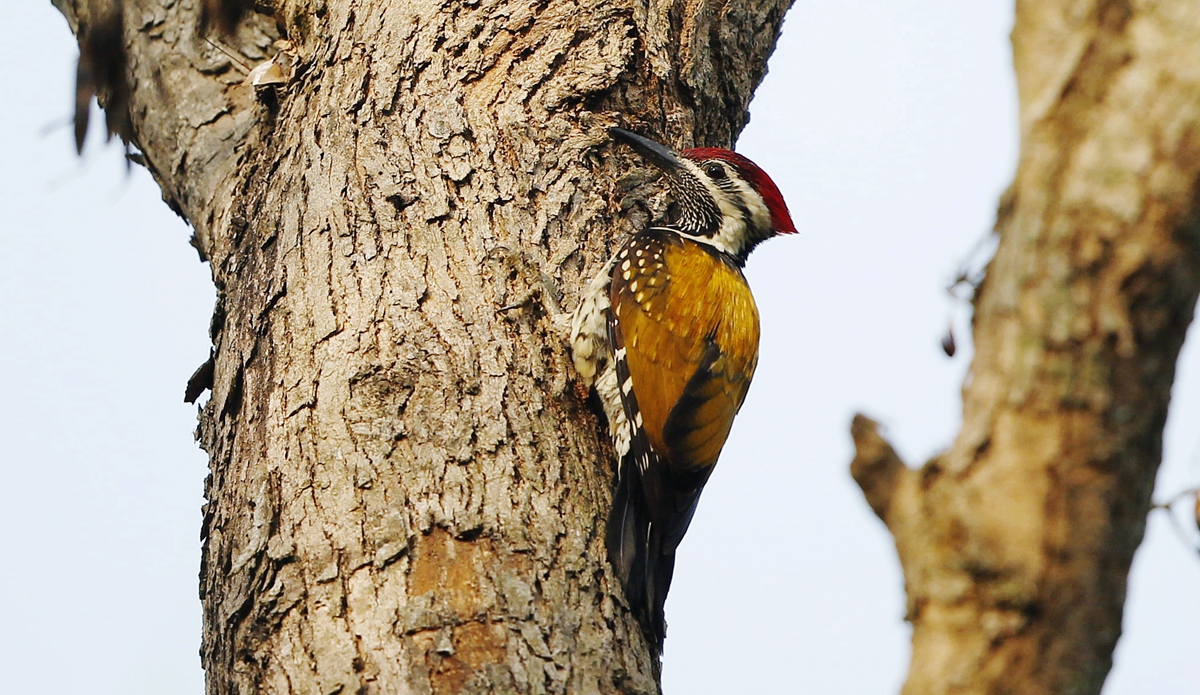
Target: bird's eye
{"points": [[715, 171]]}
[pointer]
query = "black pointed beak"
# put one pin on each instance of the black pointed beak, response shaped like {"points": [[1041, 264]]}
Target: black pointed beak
{"points": [[660, 156]]}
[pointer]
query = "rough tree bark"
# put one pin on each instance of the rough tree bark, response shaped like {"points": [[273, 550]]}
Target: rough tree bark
{"points": [[407, 494], [1016, 542]]}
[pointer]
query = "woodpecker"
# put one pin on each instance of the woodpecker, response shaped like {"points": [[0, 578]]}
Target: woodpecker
{"points": [[667, 333]]}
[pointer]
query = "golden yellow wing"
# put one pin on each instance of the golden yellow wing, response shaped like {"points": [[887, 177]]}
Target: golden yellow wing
{"points": [[689, 326]]}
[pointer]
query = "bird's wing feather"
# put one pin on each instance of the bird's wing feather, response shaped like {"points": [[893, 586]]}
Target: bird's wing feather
{"points": [[691, 351]]}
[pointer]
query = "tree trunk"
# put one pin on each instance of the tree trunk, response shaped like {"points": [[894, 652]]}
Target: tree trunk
{"points": [[407, 492], [1016, 542]]}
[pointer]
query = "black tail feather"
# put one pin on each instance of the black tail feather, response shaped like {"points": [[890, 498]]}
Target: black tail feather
{"points": [[636, 551]]}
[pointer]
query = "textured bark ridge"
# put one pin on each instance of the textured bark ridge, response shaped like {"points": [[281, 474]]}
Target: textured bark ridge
{"points": [[407, 493], [1016, 542]]}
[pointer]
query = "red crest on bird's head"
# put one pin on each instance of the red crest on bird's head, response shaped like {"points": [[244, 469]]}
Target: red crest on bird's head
{"points": [[781, 219]]}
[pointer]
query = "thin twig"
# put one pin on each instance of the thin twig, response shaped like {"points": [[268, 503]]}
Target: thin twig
{"points": [[244, 67], [1180, 531], [1189, 492]]}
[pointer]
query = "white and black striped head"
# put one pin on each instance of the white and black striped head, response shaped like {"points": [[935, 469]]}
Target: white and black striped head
{"points": [[722, 198]]}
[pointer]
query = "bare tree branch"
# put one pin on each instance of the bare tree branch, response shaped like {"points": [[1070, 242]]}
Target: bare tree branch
{"points": [[1016, 542]]}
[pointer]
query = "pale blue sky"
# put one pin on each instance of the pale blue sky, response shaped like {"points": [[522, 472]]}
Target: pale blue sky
{"points": [[890, 128]]}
